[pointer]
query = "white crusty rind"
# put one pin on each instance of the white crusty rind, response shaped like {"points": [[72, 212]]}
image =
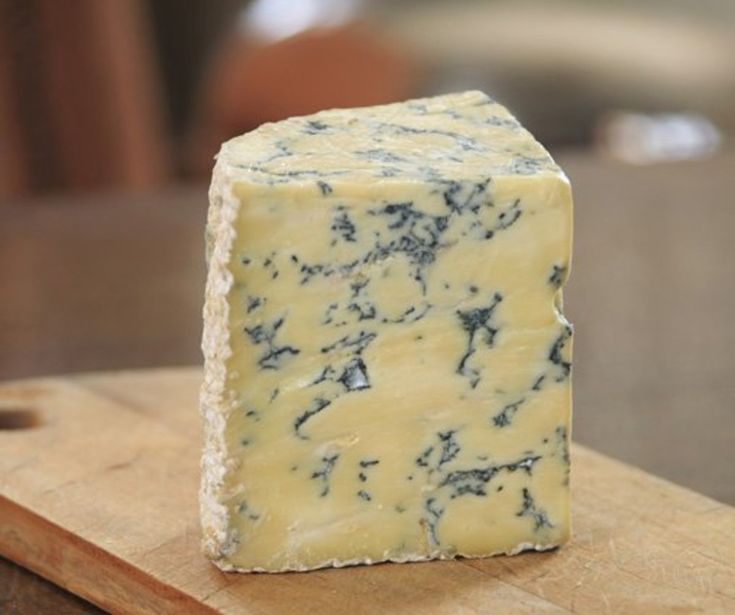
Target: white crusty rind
{"points": [[223, 211], [436, 555]]}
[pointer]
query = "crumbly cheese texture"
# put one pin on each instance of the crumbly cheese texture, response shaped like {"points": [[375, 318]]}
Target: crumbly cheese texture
{"points": [[387, 368]]}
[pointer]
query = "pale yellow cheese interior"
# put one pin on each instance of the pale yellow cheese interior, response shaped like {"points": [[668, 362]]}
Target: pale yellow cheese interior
{"points": [[444, 360]]}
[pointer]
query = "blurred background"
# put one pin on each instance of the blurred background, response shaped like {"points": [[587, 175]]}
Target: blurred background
{"points": [[111, 112], [138, 94]]}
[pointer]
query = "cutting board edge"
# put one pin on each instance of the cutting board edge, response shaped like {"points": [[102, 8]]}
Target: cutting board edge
{"points": [[130, 588]]}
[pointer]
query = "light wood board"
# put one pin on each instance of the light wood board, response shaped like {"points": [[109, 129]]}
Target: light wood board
{"points": [[101, 498]]}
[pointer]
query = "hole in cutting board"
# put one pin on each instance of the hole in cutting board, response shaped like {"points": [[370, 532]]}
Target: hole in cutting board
{"points": [[18, 418]]}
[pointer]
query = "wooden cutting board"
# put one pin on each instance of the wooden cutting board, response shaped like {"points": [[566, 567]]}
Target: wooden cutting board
{"points": [[98, 493]]}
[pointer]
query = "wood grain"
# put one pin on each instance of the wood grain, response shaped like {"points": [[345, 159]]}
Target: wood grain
{"points": [[101, 499]]}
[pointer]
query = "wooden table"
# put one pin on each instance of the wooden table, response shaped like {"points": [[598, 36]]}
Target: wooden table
{"points": [[110, 282]]}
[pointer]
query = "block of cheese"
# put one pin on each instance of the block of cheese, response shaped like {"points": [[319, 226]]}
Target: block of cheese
{"points": [[387, 368]]}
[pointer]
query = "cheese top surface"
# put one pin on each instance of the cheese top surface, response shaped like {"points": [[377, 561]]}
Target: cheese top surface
{"points": [[387, 369], [465, 137]]}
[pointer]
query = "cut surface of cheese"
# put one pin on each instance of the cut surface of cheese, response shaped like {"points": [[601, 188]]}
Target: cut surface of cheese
{"points": [[387, 368]]}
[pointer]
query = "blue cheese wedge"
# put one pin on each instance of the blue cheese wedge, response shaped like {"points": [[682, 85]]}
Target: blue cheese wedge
{"points": [[387, 367]]}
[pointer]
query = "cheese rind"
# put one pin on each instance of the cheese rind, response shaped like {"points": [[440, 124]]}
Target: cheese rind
{"points": [[387, 369]]}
